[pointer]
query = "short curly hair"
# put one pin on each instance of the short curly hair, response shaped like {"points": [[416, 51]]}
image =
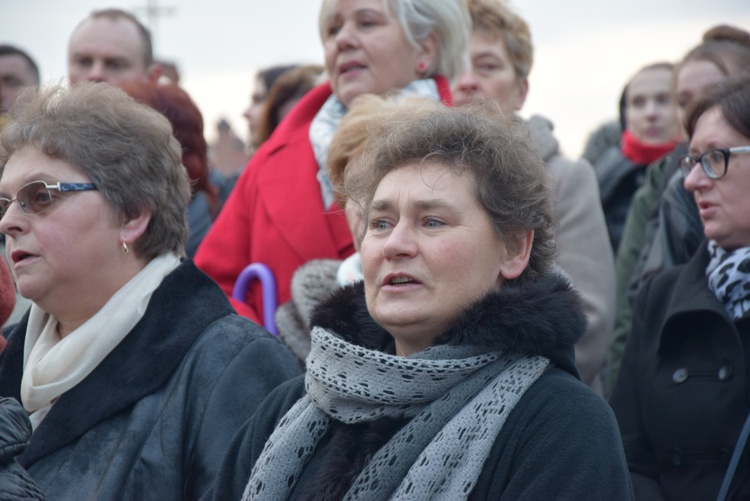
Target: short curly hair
{"points": [[511, 180]]}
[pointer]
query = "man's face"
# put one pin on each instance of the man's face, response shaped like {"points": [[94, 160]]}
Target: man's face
{"points": [[15, 74], [490, 75], [106, 50]]}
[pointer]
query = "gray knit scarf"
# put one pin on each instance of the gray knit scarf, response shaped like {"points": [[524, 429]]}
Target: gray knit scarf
{"points": [[457, 397]]}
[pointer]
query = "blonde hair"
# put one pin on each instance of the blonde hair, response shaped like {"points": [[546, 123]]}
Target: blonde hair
{"points": [[350, 138], [448, 20], [496, 18]]}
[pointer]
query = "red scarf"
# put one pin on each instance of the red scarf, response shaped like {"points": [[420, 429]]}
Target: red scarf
{"points": [[642, 153]]}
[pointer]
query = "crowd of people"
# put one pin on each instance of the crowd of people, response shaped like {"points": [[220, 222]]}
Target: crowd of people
{"points": [[463, 312]]}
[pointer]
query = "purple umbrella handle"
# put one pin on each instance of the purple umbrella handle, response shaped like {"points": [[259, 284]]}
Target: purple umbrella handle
{"points": [[263, 273]]}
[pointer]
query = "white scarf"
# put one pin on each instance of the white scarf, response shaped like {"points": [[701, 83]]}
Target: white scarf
{"points": [[327, 120], [53, 366], [350, 270]]}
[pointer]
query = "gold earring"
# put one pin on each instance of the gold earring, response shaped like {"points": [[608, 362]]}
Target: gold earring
{"points": [[124, 247]]}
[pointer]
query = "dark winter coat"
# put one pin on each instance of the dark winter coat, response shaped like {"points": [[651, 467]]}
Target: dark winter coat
{"points": [[619, 178], [560, 441], [682, 394], [15, 430], [153, 420]]}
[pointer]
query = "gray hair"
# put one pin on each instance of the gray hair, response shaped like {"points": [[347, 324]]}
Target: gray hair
{"points": [[126, 148], [511, 180], [448, 20]]}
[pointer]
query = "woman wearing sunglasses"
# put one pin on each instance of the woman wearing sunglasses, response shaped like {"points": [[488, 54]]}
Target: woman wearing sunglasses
{"points": [[131, 363], [682, 395]]}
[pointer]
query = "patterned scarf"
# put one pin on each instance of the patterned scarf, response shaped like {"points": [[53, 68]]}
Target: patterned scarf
{"points": [[728, 275], [327, 120], [457, 397]]}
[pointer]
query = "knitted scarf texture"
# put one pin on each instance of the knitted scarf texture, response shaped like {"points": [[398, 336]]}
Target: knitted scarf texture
{"points": [[457, 399]]}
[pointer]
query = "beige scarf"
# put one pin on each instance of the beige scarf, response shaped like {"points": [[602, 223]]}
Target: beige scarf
{"points": [[53, 366]]}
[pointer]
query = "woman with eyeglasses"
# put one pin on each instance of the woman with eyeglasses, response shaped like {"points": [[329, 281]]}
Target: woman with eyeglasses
{"points": [[682, 396], [663, 228], [132, 366]]}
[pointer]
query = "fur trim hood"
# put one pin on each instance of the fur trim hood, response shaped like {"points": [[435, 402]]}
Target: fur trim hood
{"points": [[542, 318]]}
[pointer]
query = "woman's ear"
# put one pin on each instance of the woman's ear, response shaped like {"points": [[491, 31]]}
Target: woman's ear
{"points": [[516, 260], [428, 49], [132, 229]]}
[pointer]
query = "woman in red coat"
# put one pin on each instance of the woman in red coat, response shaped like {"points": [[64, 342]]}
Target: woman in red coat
{"points": [[282, 211]]}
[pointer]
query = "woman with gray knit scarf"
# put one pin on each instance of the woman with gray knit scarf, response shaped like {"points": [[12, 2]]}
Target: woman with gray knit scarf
{"points": [[447, 373]]}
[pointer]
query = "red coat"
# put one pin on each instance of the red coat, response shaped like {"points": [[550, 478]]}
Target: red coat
{"points": [[275, 213]]}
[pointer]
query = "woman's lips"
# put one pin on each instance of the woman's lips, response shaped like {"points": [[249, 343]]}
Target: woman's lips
{"points": [[19, 256], [706, 209], [351, 69]]}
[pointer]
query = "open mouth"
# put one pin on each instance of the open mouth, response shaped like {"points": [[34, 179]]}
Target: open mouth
{"points": [[351, 66], [400, 280], [20, 256]]}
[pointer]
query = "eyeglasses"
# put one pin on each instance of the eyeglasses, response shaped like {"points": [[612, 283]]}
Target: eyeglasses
{"points": [[714, 162], [35, 197]]}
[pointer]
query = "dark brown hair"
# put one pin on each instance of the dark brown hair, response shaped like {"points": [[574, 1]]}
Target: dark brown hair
{"points": [[289, 86], [727, 47], [732, 97]]}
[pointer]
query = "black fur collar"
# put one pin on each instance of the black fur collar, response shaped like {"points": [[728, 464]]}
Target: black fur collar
{"points": [[542, 318]]}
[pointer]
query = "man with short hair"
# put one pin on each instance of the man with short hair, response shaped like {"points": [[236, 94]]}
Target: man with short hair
{"points": [[17, 70], [112, 46]]}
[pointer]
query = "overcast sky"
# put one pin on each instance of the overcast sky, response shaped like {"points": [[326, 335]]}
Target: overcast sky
{"points": [[585, 50]]}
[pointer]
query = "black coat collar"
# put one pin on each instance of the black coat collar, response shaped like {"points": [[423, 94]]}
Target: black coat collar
{"points": [[541, 318], [691, 297], [185, 303]]}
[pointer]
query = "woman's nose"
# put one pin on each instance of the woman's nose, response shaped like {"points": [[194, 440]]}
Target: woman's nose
{"points": [[401, 242], [346, 37], [697, 179], [14, 220], [468, 80]]}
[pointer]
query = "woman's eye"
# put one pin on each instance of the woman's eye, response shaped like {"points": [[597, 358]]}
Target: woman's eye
{"points": [[378, 224], [333, 30], [715, 157], [41, 197]]}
